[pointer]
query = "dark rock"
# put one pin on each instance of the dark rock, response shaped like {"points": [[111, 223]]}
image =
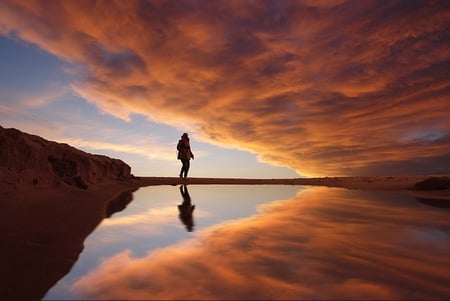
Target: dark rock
{"points": [[28, 161], [433, 183], [79, 182]]}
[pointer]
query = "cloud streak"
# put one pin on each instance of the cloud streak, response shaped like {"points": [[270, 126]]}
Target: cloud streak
{"points": [[325, 87], [157, 152], [317, 245]]}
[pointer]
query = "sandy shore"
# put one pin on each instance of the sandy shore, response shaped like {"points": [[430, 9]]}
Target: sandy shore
{"points": [[387, 183]]}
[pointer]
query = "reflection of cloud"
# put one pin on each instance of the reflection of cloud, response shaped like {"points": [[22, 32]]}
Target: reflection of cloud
{"points": [[326, 87], [325, 243], [153, 216]]}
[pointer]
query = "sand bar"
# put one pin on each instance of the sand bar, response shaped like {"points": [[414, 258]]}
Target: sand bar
{"points": [[386, 183]]}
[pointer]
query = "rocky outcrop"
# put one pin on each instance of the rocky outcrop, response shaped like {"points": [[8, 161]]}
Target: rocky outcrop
{"points": [[28, 161], [433, 183]]}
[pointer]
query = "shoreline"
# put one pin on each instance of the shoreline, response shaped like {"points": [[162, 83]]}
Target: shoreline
{"points": [[380, 183], [108, 190]]}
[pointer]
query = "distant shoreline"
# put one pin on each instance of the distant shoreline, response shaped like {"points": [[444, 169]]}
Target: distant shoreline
{"points": [[386, 183], [109, 189]]}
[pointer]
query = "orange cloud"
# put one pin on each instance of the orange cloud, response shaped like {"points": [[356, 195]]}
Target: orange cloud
{"points": [[327, 88], [158, 152], [317, 245]]}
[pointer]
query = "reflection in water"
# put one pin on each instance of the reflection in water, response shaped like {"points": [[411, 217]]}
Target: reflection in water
{"points": [[119, 203], [186, 209], [325, 243], [41, 240], [439, 203]]}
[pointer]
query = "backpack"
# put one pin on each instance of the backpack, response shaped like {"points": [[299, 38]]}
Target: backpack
{"points": [[179, 146]]}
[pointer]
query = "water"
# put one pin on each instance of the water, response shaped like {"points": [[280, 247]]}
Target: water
{"points": [[151, 222], [265, 242]]}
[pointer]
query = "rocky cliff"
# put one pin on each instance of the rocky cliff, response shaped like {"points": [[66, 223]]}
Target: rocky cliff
{"points": [[29, 161]]}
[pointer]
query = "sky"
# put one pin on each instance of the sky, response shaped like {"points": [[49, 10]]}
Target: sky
{"points": [[265, 89]]}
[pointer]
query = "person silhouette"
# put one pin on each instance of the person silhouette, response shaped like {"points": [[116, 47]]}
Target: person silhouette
{"points": [[184, 154], [186, 209]]}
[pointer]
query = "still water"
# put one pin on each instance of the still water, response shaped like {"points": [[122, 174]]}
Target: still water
{"points": [[265, 242]]}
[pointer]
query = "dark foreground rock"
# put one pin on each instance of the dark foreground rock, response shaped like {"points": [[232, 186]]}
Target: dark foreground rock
{"points": [[28, 161]]}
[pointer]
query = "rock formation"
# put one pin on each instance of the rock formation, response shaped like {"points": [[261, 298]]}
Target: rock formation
{"points": [[433, 183], [28, 161]]}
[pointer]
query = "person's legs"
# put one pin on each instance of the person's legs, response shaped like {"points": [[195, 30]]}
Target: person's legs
{"points": [[185, 168]]}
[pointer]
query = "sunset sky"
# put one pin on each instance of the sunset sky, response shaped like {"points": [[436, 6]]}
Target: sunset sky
{"points": [[265, 88]]}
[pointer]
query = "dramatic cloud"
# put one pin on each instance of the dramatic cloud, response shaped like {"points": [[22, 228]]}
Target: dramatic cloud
{"points": [[317, 245], [325, 87]]}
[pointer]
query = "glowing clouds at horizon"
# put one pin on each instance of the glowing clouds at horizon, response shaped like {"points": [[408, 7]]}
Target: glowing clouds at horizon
{"points": [[327, 88], [316, 245]]}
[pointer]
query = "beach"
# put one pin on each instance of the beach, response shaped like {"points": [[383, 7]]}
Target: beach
{"points": [[381, 183], [110, 189]]}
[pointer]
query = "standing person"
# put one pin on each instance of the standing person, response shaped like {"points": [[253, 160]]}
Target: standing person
{"points": [[184, 154]]}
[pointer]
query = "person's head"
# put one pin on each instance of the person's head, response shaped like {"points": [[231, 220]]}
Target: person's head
{"points": [[184, 136]]}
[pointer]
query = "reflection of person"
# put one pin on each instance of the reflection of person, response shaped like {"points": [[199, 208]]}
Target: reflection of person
{"points": [[184, 154], [186, 209]]}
